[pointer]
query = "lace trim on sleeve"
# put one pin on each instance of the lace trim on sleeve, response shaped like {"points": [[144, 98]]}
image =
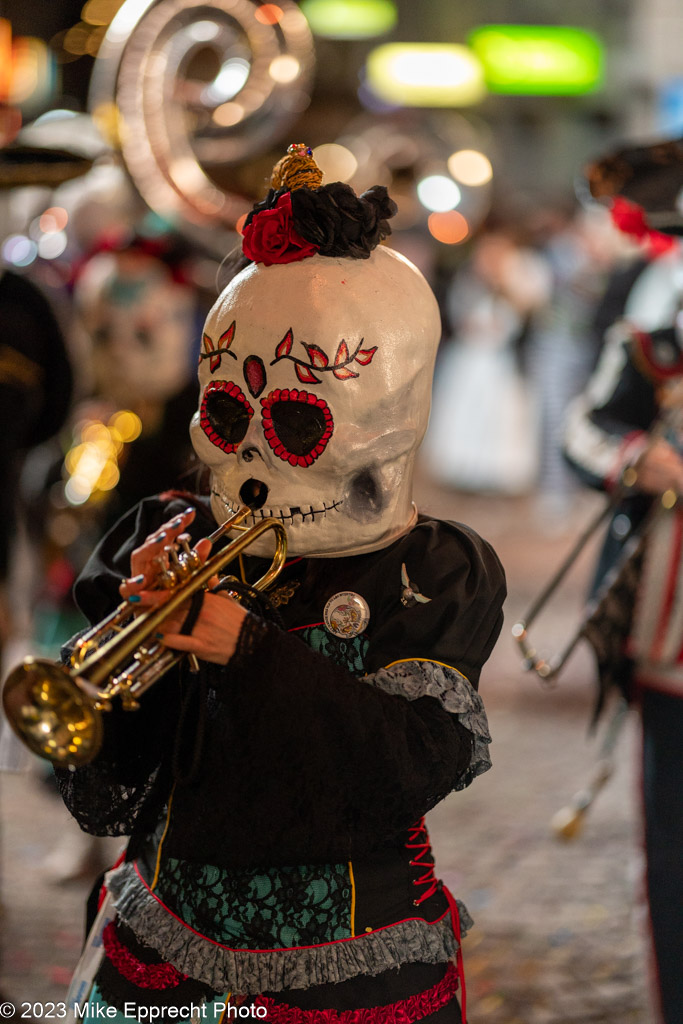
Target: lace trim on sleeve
{"points": [[415, 679], [252, 633]]}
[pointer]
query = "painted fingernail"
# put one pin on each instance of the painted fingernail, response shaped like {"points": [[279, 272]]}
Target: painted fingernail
{"points": [[160, 536], [159, 636], [177, 522], [188, 510], [137, 579], [134, 597]]}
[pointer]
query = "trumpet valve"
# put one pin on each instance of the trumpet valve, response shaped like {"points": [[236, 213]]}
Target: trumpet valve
{"points": [[122, 684], [181, 564], [166, 578], [188, 557]]}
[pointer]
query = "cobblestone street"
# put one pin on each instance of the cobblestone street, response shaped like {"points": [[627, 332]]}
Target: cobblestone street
{"points": [[560, 927]]}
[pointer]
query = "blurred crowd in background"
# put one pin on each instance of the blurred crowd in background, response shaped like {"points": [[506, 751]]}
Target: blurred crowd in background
{"points": [[136, 138]]}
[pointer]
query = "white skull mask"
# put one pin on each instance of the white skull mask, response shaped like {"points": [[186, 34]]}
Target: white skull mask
{"points": [[315, 390]]}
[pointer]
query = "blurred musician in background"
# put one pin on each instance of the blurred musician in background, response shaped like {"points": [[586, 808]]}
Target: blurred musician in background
{"points": [[625, 434], [138, 319]]}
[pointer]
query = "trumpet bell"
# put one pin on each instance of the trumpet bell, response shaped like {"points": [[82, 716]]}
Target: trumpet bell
{"points": [[51, 714], [57, 710]]}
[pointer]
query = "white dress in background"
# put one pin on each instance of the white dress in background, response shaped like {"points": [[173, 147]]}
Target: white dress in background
{"points": [[482, 434]]}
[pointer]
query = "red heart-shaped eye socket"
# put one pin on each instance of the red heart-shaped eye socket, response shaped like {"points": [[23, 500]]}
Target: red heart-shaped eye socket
{"points": [[225, 414], [297, 425]]}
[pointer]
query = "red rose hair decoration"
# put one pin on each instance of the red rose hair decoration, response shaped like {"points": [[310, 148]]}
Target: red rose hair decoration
{"points": [[301, 217], [270, 237]]}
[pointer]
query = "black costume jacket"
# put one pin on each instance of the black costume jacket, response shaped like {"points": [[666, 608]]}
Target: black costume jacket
{"points": [[608, 427], [275, 804]]}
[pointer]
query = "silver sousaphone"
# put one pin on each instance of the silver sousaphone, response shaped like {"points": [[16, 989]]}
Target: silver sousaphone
{"points": [[192, 93]]}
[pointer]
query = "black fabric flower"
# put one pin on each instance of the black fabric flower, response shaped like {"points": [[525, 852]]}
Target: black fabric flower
{"points": [[335, 219]]}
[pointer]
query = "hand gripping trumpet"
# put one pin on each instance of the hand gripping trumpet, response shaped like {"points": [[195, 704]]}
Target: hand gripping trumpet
{"points": [[56, 710]]}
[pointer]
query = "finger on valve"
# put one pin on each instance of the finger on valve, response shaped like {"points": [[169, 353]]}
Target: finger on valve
{"points": [[146, 560], [151, 560]]}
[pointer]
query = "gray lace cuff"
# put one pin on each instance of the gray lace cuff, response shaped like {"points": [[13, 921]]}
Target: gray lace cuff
{"points": [[414, 679]]}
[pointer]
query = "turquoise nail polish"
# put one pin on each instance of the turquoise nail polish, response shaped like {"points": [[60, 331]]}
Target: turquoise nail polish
{"points": [[134, 597]]}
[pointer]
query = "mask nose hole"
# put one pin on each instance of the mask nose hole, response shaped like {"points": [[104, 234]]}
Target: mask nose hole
{"points": [[253, 493]]}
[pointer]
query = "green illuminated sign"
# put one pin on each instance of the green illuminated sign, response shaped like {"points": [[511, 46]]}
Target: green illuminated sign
{"points": [[538, 59]]}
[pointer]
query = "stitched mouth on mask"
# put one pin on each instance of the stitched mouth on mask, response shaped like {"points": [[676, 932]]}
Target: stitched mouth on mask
{"points": [[296, 514]]}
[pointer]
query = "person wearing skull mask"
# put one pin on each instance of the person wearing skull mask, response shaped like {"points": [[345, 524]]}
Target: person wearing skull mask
{"points": [[275, 801]]}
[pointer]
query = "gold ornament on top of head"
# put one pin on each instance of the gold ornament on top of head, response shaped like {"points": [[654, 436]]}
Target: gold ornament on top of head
{"points": [[297, 169]]}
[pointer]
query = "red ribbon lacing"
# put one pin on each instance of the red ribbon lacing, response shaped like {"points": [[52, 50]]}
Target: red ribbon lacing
{"points": [[156, 976], [418, 839]]}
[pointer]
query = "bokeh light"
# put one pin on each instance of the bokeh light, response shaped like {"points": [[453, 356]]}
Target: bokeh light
{"points": [[100, 12], [203, 31], [5, 59], [438, 193], [127, 425], [336, 162], [268, 14], [542, 60], [470, 167], [228, 114], [284, 69], [52, 245], [228, 82], [91, 464], [449, 227], [54, 219], [425, 74], [350, 19], [19, 250]]}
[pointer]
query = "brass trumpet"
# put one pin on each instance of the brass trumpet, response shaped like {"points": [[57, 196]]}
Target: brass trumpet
{"points": [[56, 710]]}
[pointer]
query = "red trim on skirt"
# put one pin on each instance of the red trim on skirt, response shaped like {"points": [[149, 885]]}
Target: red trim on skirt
{"points": [[405, 1011]]}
